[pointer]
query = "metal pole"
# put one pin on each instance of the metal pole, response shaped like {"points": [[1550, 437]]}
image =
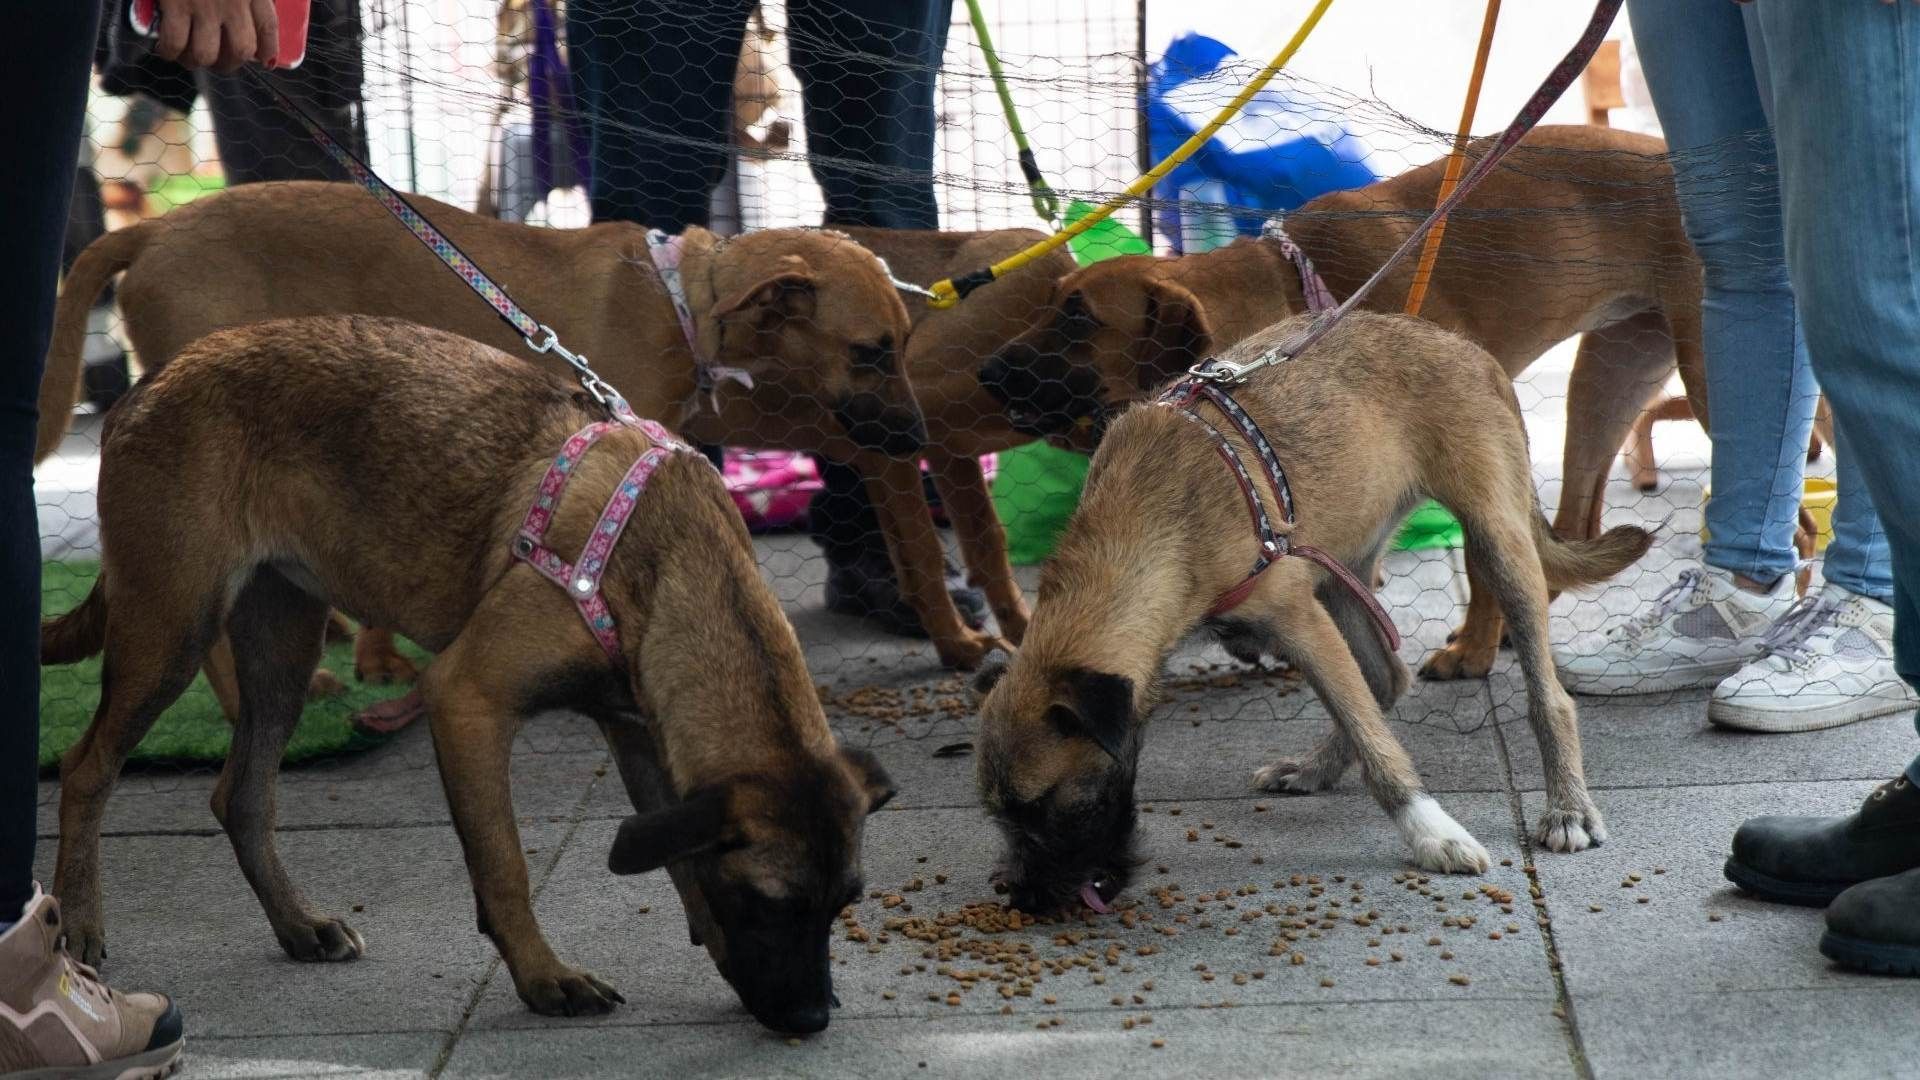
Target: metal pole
{"points": [[1144, 144]]}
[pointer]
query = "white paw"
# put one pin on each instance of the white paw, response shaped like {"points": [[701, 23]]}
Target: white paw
{"points": [[1289, 777], [1570, 830], [1438, 842]]}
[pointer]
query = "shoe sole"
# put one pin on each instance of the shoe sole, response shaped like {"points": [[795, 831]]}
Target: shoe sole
{"points": [[151, 1065], [1817, 894], [1738, 717], [1628, 684], [1874, 957]]}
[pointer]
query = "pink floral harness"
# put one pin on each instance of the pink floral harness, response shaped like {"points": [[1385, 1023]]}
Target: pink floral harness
{"points": [[580, 579]]}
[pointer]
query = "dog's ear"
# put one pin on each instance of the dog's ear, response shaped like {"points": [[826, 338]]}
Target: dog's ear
{"points": [[1099, 707], [649, 841], [990, 672], [871, 776], [1178, 334], [788, 293]]}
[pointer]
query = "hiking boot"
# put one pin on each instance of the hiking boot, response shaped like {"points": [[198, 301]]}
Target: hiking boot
{"points": [[1703, 628], [1875, 926], [864, 586], [1812, 860], [57, 1019], [1828, 662]]}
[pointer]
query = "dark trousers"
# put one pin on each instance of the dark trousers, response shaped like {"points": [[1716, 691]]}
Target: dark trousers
{"points": [[47, 48], [654, 79]]}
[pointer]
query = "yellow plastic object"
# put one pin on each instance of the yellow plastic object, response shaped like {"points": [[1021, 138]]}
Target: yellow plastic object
{"points": [[1818, 501]]}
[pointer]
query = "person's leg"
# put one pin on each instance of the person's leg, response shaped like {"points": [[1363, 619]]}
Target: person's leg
{"points": [[868, 72], [653, 80], [1705, 88], [259, 139], [1712, 620], [1847, 121]]}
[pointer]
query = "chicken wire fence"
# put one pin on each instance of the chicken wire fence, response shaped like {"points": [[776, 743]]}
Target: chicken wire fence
{"points": [[1570, 265]]}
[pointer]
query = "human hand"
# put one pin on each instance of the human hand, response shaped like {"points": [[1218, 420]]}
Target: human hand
{"points": [[220, 34]]}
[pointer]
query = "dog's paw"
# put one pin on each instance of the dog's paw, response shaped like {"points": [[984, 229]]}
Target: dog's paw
{"points": [[1439, 843], [322, 940], [570, 993], [324, 684], [1570, 829], [86, 942], [1290, 777], [1457, 661], [966, 651]]}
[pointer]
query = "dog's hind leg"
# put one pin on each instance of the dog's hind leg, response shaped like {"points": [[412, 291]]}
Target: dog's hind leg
{"points": [[1313, 641], [276, 631], [1500, 541], [1617, 371], [141, 675], [1470, 651], [1386, 676]]}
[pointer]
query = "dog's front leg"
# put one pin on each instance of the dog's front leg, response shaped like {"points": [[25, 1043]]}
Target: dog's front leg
{"points": [[468, 695], [983, 543], [1314, 643], [919, 559]]}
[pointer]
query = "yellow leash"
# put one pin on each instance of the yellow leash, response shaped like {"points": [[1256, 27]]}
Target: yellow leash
{"points": [[946, 293], [1456, 163]]}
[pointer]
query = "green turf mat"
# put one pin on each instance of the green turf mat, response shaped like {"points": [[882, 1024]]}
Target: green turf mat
{"points": [[193, 730]]}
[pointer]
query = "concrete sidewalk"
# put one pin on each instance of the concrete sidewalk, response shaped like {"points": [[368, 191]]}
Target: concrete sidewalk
{"points": [[1638, 960]]}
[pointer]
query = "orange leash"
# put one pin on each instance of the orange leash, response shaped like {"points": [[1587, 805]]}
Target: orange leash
{"points": [[1456, 162]]}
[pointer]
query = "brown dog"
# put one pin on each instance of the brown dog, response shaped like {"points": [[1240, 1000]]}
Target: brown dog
{"points": [[944, 352], [1382, 412], [809, 315], [414, 457], [1577, 232]]}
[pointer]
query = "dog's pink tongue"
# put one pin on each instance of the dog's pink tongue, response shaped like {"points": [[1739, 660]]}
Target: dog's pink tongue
{"points": [[1090, 896]]}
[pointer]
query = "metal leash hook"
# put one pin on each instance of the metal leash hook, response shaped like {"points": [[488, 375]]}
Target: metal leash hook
{"points": [[590, 381]]}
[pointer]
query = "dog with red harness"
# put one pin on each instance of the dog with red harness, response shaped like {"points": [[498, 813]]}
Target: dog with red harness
{"points": [[425, 482], [1344, 440]]}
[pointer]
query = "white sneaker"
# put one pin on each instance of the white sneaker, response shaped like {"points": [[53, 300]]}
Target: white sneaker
{"points": [[1702, 629], [1829, 662]]}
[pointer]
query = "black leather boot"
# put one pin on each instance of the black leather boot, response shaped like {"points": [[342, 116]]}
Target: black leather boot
{"points": [[1812, 860], [1875, 926]]}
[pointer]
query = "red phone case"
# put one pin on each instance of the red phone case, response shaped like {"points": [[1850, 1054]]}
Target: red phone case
{"points": [[144, 16]]}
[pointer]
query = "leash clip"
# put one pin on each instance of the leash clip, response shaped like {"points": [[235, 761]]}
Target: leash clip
{"points": [[599, 389]]}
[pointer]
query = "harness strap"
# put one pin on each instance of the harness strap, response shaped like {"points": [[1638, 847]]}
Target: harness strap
{"points": [[580, 579], [1314, 288], [1185, 397], [667, 253]]}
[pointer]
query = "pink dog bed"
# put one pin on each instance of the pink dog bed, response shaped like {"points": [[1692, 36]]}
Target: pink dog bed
{"points": [[772, 487]]}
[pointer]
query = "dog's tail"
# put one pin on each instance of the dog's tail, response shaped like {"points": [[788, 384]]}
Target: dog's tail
{"points": [[60, 383], [79, 633], [1569, 563]]}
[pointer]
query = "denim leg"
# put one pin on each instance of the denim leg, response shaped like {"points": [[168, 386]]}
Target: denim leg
{"points": [[1847, 120], [47, 49], [868, 70], [1707, 93], [1859, 557], [654, 80]]}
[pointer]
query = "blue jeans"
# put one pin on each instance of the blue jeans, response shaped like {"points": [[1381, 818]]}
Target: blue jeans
{"points": [[1847, 120], [1707, 65]]}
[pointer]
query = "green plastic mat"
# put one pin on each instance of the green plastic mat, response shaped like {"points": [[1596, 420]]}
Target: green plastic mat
{"points": [[1431, 526], [1105, 239], [182, 188], [193, 729]]}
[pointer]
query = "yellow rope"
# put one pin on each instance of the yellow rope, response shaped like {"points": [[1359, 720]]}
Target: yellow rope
{"points": [[945, 295], [1456, 162]]}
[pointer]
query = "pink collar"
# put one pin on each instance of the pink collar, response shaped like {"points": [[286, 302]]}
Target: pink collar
{"points": [[1319, 297], [580, 579], [667, 252]]}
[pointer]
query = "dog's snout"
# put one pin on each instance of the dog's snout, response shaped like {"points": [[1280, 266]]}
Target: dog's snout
{"points": [[876, 423]]}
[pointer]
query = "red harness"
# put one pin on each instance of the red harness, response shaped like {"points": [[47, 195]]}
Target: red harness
{"points": [[1185, 397], [580, 579]]}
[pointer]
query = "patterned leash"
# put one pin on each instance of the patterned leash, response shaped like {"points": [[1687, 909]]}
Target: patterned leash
{"points": [[1230, 374], [539, 337]]}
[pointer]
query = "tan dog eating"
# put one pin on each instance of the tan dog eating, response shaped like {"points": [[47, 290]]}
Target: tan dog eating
{"points": [[1384, 411], [388, 470], [1576, 233], [808, 316]]}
